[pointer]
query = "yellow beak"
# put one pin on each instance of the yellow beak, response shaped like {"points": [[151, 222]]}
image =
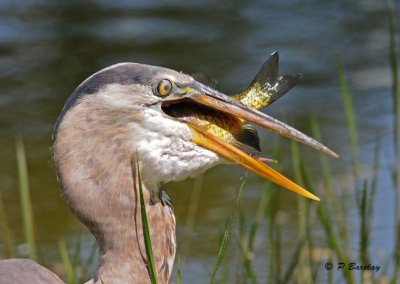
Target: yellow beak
{"points": [[235, 155]]}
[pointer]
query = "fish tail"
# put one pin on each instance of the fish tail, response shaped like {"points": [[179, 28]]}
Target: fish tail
{"points": [[273, 84], [267, 86], [284, 84]]}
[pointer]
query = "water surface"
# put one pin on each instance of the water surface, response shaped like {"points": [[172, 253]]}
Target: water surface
{"points": [[48, 48]]}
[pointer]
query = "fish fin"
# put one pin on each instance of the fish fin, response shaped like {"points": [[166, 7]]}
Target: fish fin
{"points": [[206, 80], [285, 83], [269, 80], [268, 72], [248, 140]]}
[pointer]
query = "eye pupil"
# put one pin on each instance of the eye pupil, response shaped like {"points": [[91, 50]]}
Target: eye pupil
{"points": [[164, 88]]}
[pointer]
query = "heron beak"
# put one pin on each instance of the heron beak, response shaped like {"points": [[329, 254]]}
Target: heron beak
{"points": [[213, 99], [224, 103]]}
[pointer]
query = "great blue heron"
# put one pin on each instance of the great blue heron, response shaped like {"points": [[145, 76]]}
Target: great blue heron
{"points": [[122, 115]]}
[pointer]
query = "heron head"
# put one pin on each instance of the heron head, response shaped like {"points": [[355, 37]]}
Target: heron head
{"points": [[135, 110], [130, 113]]}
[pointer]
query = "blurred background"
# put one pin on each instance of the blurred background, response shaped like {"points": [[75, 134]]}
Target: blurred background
{"points": [[48, 47]]}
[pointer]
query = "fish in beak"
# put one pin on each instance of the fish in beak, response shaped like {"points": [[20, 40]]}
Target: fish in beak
{"points": [[217, 121], [266, 87]]}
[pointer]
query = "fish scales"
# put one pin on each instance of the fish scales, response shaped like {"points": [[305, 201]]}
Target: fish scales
{"points": [[265, 88]]}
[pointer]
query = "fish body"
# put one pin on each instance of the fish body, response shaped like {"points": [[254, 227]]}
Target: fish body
{"points": [[266, 87], [219, 124]]}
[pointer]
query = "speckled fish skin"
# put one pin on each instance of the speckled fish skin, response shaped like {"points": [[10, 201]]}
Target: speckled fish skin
{"points": [[266, 87], [219, 124]]}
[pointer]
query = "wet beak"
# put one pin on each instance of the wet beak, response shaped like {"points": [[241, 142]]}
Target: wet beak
{"points": [[213, 99], [235, 108]]}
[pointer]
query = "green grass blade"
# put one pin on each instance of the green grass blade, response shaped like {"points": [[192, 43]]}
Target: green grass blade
{"points": [[228, 232], [260, 214], [375, 175], [273, 229], [191, 213], [335, 206], [271, 260], [246, 250], [332, 236], [146, 231], [261, 209], [367, 204], [396, 131], [364, 233], [303, 267], [77, 259], [323, 213], [350, 115], [71, 276], [395, 74], [25, 197], [179, 278], [326, 171], [5, 230], [334, 242], [294, 261], [89, 262]]}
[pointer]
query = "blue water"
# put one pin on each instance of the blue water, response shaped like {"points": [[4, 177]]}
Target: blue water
{"points": [[48, 48]]}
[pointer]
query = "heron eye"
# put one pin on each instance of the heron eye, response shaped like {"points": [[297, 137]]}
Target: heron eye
{"points": [[164, 88]]}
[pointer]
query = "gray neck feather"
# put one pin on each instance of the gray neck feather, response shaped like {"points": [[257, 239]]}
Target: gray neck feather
{"points": [[94, 167]]}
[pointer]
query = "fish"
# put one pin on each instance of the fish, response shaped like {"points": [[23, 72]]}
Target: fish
{"points": [[266, 87]]}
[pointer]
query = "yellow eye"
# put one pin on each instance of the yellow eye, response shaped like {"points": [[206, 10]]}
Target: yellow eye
{"points": [[164, 88]]}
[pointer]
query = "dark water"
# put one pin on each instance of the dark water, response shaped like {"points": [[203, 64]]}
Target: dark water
{"points": [[47, 49]]}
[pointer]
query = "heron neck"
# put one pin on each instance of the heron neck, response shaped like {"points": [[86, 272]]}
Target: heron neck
{"points": [[121, 248], [122, 251], [94, 167]]}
